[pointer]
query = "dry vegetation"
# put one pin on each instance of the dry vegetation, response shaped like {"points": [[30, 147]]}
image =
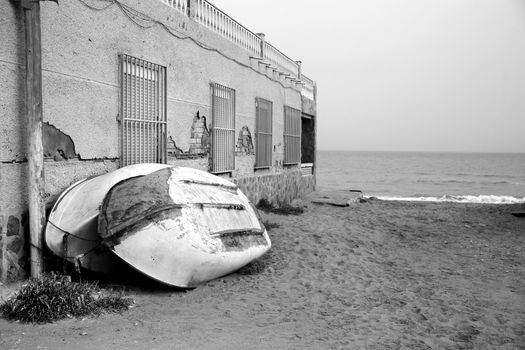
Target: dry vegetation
{"points": [[53, 297]]}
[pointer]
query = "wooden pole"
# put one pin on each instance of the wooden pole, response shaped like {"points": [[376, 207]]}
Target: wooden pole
{"points": [[37, 217]]}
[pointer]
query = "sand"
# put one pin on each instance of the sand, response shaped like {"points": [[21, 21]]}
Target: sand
{"points": [[377, 275]]}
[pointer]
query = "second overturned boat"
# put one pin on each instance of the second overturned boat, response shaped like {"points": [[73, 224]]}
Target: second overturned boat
{"points": [[71, 230]]}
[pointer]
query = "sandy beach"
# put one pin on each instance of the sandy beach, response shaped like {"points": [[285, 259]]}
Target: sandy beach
{"points": [[376, 275]]}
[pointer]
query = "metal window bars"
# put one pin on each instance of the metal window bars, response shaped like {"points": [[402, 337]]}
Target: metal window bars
{"points": [[143, 111], [223, 128], [263, 133], [292, 136]]}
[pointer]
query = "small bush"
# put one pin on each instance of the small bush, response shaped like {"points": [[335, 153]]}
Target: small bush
{"points": [[264, 205], [288, 210], [50, 297], [267, 207], [270, 225]]}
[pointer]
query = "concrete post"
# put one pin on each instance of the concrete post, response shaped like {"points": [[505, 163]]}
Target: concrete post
{"points": [[299, 73], [191, 8], [37, 216], [263, 46]]}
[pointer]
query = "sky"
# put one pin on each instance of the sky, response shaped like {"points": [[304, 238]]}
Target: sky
{"points": [[405, 75]]}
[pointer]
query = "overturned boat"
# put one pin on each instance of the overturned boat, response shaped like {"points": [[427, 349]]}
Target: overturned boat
{"points": [[180, 226]]}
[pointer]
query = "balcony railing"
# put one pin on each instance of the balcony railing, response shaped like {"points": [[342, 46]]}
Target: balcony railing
{"points": [[219, 22], [308, 89], [179, 5], [279, 59], [216, 20]]}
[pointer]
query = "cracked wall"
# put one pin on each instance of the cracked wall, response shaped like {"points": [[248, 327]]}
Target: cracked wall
{"points": [[199, 141], [56, 144], [244, 142]]}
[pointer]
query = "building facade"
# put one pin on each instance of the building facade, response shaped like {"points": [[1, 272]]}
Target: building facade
{"points": [[131, 81]]}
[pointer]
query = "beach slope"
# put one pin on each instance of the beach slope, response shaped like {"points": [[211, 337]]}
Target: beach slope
{"points": [[376, 275]]}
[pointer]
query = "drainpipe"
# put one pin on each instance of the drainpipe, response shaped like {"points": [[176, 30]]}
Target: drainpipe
{"points": [[35, 154]]}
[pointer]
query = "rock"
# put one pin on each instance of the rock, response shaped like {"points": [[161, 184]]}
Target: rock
{"points": [[15, 245], [13, 226]]}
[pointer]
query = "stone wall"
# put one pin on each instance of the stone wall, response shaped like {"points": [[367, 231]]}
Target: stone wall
{"points": [[278, 189], [13, 250]]}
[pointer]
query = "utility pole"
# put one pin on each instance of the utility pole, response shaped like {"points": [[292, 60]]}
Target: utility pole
{"points": [[35, 154]]}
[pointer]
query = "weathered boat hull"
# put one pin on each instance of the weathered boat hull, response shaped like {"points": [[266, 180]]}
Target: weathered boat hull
{"points": [[71, 230], [182, 226]]}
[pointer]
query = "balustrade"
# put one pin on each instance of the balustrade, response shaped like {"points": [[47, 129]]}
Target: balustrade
{"points": [[279, 59], [308, 89], [214, 19], [179, 5], [219, 22]]}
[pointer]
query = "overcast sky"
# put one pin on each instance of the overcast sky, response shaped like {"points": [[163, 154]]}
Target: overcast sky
{"points": [[405, 75]]}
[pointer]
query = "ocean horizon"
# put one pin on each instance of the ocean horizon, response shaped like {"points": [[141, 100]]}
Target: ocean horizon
{"points": [[425, 176]]}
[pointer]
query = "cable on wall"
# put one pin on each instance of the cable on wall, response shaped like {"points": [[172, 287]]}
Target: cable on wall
{"points": [[145, 22]]}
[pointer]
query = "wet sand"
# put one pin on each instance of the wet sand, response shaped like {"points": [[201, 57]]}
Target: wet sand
{"points": [[377, 275]]}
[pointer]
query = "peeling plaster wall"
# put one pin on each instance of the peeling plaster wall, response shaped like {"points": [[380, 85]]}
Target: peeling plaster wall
{"points": [[80, 50], [56, 144]]}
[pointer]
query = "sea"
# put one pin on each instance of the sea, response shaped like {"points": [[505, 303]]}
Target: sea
{"points": [[425, 176]]}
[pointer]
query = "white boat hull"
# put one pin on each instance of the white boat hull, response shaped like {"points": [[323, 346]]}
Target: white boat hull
{"points": [[182, 226]]}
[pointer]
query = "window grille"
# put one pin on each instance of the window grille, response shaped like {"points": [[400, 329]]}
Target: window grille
{"points": [[142, 111], [263, 133], [223, 128], [292, 135]]}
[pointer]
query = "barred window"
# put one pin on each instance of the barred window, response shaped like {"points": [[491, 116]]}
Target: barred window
{"points": [[292, 135], [223, 128], [142, 111], [263, 133]]}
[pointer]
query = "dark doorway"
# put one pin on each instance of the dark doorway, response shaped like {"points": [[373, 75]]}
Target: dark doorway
{"points": [[307, 139]]}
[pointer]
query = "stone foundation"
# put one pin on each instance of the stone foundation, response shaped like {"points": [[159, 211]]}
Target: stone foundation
{"points": [[276, 188], [13, 250]]}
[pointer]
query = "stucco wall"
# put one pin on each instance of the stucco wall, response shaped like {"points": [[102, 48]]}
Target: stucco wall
{"points": [[80, 56], [12, 77], [80, 49]]}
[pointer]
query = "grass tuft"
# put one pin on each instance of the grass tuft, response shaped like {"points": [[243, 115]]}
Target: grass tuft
{"points": [[52, 297], [267, 207]]}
